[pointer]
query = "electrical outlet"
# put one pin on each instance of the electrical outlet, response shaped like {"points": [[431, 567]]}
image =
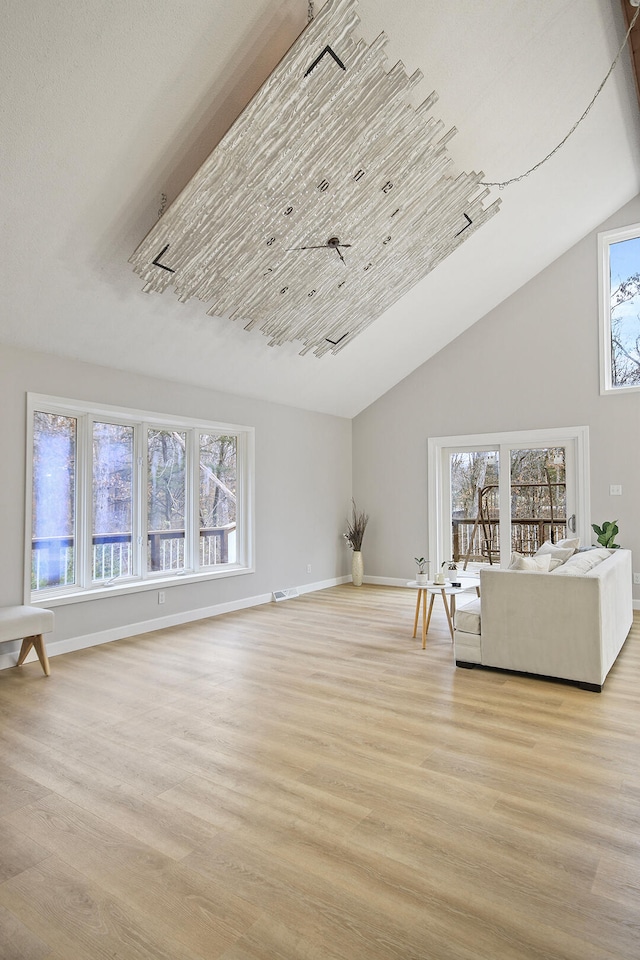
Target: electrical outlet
{"points": [[160, 596], [308, 568], [615, 490], [636, 578]]}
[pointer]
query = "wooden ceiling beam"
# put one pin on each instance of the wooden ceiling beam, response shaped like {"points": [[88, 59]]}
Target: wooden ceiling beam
{"points": [[634, 42]]}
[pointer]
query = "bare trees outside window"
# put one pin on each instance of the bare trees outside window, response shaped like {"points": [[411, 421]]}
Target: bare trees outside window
{"points": [[620, 308], [116, 501]]}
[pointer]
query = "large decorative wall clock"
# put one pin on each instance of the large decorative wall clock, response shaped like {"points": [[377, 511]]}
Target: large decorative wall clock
{"points": [[326, 201]]}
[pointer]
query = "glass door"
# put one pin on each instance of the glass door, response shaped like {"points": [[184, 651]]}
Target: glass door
{"points": [[506, 493], [474, 480], [538, 501]]}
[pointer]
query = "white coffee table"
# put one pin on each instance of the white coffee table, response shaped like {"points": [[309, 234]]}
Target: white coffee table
{"points": [[445, 590]]}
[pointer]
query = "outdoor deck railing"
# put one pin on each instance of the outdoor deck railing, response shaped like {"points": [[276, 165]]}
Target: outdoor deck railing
{"points": [[53, 562], [527, 535]]}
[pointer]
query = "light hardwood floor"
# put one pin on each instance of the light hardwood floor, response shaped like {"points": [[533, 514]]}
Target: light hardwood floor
{"points": [[301, 781]]}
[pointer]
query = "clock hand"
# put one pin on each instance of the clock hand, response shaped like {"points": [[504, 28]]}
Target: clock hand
{"points": [[321, 246], [332, 244]]}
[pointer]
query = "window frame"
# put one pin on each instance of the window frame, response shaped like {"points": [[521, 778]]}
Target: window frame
{"points": [[605, 241], [141, 579]]}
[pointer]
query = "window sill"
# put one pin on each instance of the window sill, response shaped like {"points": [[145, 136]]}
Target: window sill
{"points": [[100, 592]]}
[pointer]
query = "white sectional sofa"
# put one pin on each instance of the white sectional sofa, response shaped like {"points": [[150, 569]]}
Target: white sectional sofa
{"points": [[570, 623]]}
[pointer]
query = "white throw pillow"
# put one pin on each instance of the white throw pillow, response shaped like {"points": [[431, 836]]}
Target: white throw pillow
{"points": [[537, 564], [574, 544], [559, 554], [581, 563]]}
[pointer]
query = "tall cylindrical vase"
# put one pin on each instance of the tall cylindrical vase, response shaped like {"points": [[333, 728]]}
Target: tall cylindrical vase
{"points": [[357, 568]]}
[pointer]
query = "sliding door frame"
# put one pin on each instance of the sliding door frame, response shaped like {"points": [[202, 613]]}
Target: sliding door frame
{"points": [[439, 493]]}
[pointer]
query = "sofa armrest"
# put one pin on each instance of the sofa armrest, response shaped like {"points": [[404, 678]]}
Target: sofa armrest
{"points": [[616, 604], [538, 623]]}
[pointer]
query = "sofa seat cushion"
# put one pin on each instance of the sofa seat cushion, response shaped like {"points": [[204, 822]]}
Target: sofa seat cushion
{"points": [[467, 618], [581, 563]]}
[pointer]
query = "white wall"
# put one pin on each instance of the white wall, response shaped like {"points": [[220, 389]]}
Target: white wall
{"points": [[530, 363], [302, 491]]}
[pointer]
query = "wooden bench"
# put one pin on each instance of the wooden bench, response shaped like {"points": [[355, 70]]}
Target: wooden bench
{"points": [[27, 624]]}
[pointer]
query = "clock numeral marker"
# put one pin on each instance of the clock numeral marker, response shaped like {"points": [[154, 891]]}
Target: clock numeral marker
{"points": [[341, 284], [397, 210], [317, 60], [267, 271], [359, 175], [336, 342], [271, 241], [288, 211], [388, 186], [284, 289], [323, 186], [385, 242], [157, 263], [466, 226], [368, 266], [312, 294]]}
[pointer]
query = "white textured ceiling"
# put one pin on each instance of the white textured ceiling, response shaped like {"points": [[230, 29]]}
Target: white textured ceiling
{"points": [[106, 106]]}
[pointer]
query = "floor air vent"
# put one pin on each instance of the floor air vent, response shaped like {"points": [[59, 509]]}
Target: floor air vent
{"points": [[285, 594]]}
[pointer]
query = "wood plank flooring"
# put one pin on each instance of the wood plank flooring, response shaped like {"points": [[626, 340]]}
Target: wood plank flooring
{"points": [[301, 781]]}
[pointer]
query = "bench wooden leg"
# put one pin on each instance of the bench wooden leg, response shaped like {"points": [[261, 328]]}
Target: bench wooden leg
{"points": [[37, 642]]}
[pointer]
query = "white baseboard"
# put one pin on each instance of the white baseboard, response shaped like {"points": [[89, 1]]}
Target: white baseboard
{"points": [[158, 623], [323, 584], [386, 581]]}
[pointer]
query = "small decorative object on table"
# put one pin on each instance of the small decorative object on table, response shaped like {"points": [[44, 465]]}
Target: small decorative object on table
{"points": [[354, 536], [422, 576], [451, 572]]}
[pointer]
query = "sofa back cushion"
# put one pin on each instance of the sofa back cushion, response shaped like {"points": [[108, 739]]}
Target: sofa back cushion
{"points": [[581, 563]]}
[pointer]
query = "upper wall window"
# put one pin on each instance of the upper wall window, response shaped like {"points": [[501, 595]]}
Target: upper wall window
{"points": [[619, 256], [124, 498]]}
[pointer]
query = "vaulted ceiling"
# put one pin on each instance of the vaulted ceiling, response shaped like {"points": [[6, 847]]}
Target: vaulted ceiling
{"points": [[106, 107]]}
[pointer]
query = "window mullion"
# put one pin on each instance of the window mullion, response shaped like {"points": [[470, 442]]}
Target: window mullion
{"points": [[84, 500], [143, 523], [136, 510], [192, 513]]}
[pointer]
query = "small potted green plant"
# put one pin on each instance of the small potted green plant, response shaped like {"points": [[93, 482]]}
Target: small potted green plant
{"points": [[449, 569], [607, 534], [422, 576]]}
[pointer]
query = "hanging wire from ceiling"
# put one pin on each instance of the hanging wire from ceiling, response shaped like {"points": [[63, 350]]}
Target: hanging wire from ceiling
{"points": [[310, 13], [506, 183]]}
